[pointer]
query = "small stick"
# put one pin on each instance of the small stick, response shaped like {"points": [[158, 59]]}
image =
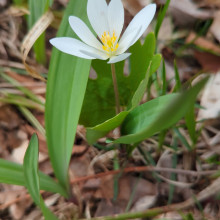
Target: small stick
{"points": [[141, 169]]}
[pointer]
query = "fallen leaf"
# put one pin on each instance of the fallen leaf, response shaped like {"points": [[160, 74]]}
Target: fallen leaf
{"points": [[210, 99], [18, 153], [209, 3], [169, 215], [133, 6], [9, 119], [3, 3], [214, 29], [144, 203], [106, 208], [185, 12], [208, 61], [202, 43]]}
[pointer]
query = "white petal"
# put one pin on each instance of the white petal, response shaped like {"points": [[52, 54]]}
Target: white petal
{"points": [[95, 55], [83, 32], [97, 11], [119, 58], [76, 48], [128, 40], [139, 23], [115, 17]]}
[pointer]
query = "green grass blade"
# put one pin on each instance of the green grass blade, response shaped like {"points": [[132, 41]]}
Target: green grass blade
{"points": [[190, 120], [66, 86], [182, 139], [164, 78], [31, 176], [177, 78], [160, 17]]}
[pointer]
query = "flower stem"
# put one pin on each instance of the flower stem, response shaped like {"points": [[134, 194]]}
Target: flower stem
{"points": [[115, 88]]}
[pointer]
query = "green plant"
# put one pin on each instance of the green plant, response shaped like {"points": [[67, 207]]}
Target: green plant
{"points": [[73, 98]]}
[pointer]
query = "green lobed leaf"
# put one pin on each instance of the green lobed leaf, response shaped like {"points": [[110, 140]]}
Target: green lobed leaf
{"points": [[94, 133], [139, 93], [99, 102], [31, 177], [66, 87], [157, 114]]}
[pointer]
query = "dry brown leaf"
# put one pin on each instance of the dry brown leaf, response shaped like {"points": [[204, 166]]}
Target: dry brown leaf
{"points": [[208, 61], [166, 32], [169, 215], [16, 208], [19, 152], [127, 185], [9, 118], [144, 193], [185, 11], [211, 99], [133, 6], [202, 43], [39, 27], [17, 11], [191, 9], [215, 30], [105, 208], [209, 3], [3, 3], [144, 203], [79, 166]]}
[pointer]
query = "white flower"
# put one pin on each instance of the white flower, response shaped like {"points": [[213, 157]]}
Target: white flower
{"points": [[107, 21]]}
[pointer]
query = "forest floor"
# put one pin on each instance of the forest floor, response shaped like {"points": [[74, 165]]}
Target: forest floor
{"points": [[184, 182]]}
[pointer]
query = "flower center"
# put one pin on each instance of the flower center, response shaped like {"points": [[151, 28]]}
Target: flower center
{"points": [[109, 42]]}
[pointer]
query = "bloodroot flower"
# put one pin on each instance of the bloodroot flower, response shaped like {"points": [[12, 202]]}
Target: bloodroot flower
{"points": [[107, 21]]}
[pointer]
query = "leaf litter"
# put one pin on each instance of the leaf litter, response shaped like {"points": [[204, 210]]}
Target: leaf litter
{"points": [[138, 189]]}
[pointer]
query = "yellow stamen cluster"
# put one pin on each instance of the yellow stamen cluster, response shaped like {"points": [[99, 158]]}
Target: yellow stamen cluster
{"points": [[109, 42]]}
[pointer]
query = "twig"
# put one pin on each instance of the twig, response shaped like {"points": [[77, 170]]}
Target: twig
{"points": [[20, 198], [141, 169]]}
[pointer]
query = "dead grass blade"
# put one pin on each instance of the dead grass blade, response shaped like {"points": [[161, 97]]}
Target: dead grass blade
{"points": [[40, 26]]}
